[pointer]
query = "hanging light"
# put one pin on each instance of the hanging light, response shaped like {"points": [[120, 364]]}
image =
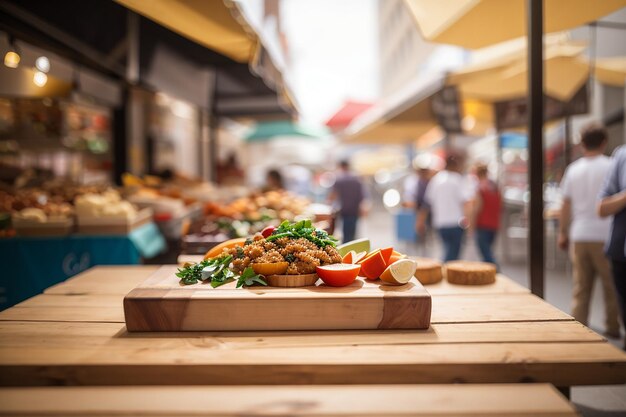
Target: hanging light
{"points": [[42, 64], [40, 78], [12, 57]]}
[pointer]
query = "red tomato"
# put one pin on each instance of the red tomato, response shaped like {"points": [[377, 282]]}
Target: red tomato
{"points": [[338, 275], [268, 231]]}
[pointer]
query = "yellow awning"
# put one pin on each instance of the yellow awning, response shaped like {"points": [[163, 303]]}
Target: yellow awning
{"points": [[207, 22], [479, 23], [402, 118], [611, 71], [505, 76]]}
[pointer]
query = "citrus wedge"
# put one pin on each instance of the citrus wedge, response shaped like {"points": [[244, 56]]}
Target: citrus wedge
{"points": [[274, 268], [386, 252], [358, 245], [373, 266], [216, 251], [352, 257], [369, 255], [394, 258], [399, 272], [338, 275]]}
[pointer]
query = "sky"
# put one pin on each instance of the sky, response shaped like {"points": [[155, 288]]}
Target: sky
{"points": [[333, 50]]}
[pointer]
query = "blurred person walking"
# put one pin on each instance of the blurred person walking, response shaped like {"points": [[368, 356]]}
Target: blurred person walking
{"points": [[273, 181], [448, 198], [414, 192], [587, 232], [487, 208], [350, 196], [613, 203]]}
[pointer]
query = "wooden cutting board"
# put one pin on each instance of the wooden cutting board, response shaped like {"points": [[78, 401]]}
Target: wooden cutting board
{"points": [[162, 304]]}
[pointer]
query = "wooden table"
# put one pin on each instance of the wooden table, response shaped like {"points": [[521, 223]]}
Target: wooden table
{"points": [[346, 400], [74, 334]]}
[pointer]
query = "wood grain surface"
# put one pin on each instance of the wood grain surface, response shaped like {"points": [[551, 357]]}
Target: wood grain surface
{"points": [[449, 309], [374, 400], [161, 303], [74, 335], [118, 280], [33, 353]]}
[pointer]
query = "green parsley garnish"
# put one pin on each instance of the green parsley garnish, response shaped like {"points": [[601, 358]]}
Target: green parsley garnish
{"points": [[216, 270], [249, 278], [302, 229]]}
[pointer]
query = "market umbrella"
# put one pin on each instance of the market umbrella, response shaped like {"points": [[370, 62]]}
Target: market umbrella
{"points": [[611, 71], [501, 78], [402, 118], [478, 23], [263, 131]]}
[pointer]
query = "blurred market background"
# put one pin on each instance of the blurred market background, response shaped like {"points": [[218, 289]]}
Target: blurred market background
{"points": [[135, 131]]}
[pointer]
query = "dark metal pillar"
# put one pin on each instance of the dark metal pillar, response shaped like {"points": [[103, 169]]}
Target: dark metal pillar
{"points": [[535, 145], [120, 155], [567, 149], [213, 128]]}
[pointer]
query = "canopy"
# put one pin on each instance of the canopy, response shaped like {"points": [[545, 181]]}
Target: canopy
{"points": [[168, 62], [209, 23], [504, 75], [283, 128], [611, 71], [402, 118], [478, 23], [348, 112]]}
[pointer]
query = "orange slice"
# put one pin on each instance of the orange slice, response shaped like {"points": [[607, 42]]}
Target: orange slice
{"points": [[393, 258], [399, 272], [372, 267], [369, 255], [270, 268], [352, 257], [216, 251], [386, 252]]}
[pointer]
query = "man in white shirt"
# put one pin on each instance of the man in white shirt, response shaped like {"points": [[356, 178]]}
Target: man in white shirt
{"points": [[448, 196], [581, 225]]}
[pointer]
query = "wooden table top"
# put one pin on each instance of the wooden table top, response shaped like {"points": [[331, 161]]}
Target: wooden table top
{"points": [[74, 334], [329, 400]]}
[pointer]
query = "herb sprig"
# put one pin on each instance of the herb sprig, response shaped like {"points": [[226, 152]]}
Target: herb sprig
{"points": [[302, 229], [216, 270], [249, 278]]}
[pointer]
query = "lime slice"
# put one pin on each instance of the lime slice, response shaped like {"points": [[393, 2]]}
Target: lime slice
{"points": [[358, 245]]}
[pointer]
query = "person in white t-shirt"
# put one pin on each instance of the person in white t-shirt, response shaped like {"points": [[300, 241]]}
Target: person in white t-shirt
{"points": [[448, 196], [581, 226]]}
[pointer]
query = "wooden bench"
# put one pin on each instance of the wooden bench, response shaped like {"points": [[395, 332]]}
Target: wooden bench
{"points": [[371, 400]]}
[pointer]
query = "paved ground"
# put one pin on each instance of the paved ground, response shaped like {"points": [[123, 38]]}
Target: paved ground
{"points": [[606, 401]]}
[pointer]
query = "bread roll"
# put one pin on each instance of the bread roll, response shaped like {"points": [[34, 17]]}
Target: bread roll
{"points": [[429, 271], [470, 273]]}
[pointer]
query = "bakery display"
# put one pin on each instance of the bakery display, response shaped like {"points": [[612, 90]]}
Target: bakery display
{"points": [[470, 273], [429, 271], [108, 204]]}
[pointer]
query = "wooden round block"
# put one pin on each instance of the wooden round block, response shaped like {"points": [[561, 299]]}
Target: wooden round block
{"points": [[429, 271], [292, 280], [470, 273]]}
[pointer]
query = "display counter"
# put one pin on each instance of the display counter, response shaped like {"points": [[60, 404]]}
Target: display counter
{"points": [[32, 264]]}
